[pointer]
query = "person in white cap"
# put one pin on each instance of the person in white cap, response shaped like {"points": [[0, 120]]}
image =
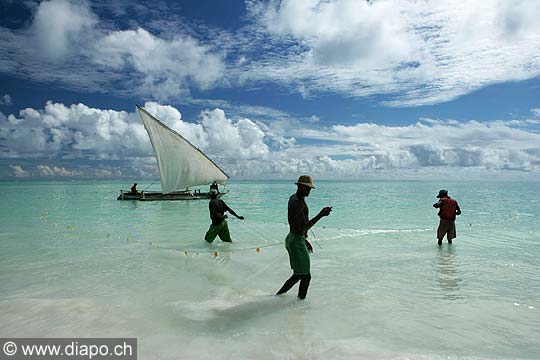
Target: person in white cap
{"points": [[219, 226], [296, 241]]}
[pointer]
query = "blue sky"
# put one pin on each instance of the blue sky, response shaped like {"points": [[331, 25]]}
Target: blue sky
{"points": [[270, 89]]}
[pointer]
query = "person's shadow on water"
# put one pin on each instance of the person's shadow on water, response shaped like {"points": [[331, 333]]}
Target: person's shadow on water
{"points": [[239, 310]]}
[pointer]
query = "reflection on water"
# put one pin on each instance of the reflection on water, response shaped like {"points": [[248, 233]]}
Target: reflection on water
{"points": [[445, 266]]}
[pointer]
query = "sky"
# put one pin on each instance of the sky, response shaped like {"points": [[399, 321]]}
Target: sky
{"points": [[338, 89]]}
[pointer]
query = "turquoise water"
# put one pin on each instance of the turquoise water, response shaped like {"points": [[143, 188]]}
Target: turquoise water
{"points": [[74, 261]]}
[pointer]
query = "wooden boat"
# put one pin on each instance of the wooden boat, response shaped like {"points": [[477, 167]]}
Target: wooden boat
{"points": [[181, 165], [157, 196]]}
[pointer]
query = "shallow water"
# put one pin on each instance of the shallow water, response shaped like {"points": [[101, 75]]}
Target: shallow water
{"points": [[74, 261]]}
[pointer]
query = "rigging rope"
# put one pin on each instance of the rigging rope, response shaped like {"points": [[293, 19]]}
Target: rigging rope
{"points": [[150, 185]]}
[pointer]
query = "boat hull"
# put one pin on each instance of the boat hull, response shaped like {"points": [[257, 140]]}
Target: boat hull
{"points": [[159, 196]]}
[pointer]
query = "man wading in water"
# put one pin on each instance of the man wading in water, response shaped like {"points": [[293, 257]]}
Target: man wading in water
{"points": [[219, 225], [296, 243], [448, 209]]}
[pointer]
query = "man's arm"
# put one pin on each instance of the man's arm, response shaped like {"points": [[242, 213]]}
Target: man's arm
{"points": [[458, 210], [232, 212], [324, 212], [438, 204]]}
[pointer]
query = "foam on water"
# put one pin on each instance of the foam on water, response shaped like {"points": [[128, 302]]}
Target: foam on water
{"points": [[76, 262]]}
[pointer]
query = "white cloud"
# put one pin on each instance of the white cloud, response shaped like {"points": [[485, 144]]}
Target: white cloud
{"points": [[419, 52], [6, 100], [18, 171], [167, 67], [414, 52], [345, 32], [243, 139], [68, 133], [66, 44], [171, 117], [79, 141], [107, 173], [60, 25], [55, 171], [77, 131]]}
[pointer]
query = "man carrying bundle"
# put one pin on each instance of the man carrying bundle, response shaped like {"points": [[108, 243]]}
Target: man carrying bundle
{"points": [[296, 241], [448, 209]]}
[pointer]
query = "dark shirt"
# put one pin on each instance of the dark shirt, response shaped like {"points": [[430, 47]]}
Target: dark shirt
{"points": [[217, 211], [298, 215]]}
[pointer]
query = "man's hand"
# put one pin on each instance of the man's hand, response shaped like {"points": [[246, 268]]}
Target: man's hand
{"points": [[325, 211], [241, 217], [309, 247]]}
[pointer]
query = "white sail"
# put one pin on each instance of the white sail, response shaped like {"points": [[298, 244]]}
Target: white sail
{"points": [[181, 164]]}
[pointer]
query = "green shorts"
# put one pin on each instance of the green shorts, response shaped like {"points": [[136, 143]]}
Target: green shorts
{"points": [[221, 230], [298, 254]]}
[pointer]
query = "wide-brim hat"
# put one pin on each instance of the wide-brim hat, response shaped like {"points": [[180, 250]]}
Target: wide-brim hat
{"points": [[442, 193], [305, 180]]}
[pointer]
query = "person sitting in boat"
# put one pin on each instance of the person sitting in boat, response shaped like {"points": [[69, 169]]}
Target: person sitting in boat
{"points": [[214, 185], [134, 190], [219, 226]]}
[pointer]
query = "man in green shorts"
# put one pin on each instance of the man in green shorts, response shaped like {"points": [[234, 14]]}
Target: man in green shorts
{"points": [[296, 241], [219, 225]]}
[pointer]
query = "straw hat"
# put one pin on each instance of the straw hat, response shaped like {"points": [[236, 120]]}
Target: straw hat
{"points": [[305, 180]]}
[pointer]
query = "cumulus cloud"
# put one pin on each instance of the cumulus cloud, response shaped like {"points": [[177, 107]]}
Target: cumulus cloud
{"points": [[167, 66], [77, 131], [18, 171], [55, 171], [344, 33], [69, 133], [243, 139], [60, 25], [79, 141], [489, 145]]}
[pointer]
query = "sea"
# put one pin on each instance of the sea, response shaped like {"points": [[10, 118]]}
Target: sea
{"points": [[76, 262]]}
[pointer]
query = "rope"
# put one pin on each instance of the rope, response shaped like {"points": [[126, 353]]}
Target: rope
{"points": [[260, 234], [216, 252], [246, 282], [315, 239], [187, 251], [155, 181]]}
